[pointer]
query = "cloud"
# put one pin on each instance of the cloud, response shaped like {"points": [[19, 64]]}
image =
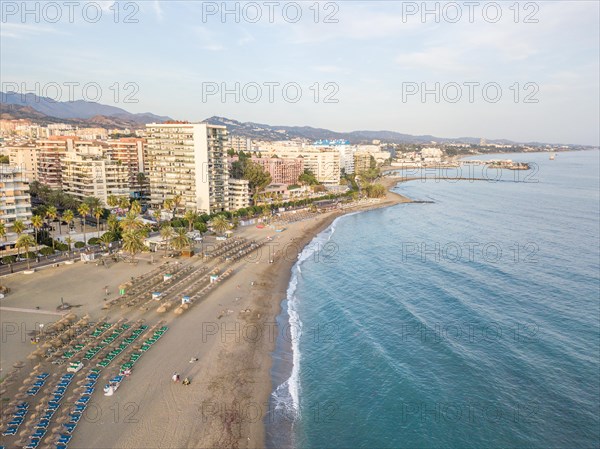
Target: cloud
{"points": [[157, 10], [22, 30], [327, 69]]}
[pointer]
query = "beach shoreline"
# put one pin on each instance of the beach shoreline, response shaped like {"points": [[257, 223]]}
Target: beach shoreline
{"points": [[228, 400]]}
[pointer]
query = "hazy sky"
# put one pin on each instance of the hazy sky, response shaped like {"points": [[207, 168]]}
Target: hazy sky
{"points": [[531, 71]]}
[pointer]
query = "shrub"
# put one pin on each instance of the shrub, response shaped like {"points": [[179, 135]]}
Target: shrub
{"points": [[111, 234], [46, 251], [62, 247], [79, 245], [93, 241], [9, 259]]}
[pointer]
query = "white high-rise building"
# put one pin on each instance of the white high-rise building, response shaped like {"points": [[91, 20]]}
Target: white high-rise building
{"points": [[189, 160], [15, 202], [87, 172]]}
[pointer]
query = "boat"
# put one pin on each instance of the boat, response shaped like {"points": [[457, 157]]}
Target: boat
{"points": [[552, 156]]}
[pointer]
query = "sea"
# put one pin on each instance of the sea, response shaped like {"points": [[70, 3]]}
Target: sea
{"points": [[470, 319]]}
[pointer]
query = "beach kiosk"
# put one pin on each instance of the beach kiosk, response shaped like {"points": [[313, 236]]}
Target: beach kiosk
{"points": [[214, 278], [167, 277]]}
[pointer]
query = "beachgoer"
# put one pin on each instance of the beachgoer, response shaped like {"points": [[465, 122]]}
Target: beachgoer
{"points": [[186, 381], [193, 359]]}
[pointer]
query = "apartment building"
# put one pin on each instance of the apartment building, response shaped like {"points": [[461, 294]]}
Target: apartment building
{"points": [[362, 161], [86, 171], [15, 202], [25, 157], [49, 154], [375, 151], [324, 163], [190, 160], [344, 148], [282, 170], [239, 194], [129, 151], [239, 143]]}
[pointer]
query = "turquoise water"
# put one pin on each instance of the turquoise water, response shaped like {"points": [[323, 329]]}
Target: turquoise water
{"points": [[469, 322]]}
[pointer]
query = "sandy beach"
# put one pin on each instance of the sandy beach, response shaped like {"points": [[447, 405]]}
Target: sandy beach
{"points": [[231, 332]]}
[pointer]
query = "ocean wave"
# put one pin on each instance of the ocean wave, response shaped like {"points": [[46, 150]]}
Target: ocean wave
{"points": [[287, 395]]}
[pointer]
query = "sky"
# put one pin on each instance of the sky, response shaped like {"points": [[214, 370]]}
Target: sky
{"points": [[525, 71]]}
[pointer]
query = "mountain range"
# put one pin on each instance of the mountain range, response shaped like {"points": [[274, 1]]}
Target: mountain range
{"points": [[74, 112], [44, 110], [269, 132]]}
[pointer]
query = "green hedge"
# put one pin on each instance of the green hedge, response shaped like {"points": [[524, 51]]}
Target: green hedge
{"points": [[46, 251]]}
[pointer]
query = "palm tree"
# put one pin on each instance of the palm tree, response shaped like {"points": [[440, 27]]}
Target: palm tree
{"points": [[92, 201], [168, 205], [124, 202], [131, 222], [37, 222], [133, 242], [173, 204], [25, 241], [52, 214], [166, 232], [112, 201], [135, 207], [83, 210], [266, 213], [69, 241], [18, 227], [3, 231], [112, 223], [68, 216], [157, 213], [177, 200], [180, 239], [106, 239], [98, 212], [219, 224], [190, 216]]}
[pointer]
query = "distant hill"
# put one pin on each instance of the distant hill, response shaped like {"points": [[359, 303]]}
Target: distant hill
{"points": [[269, 132], [45, 111], [16, 112], [77, 109]]}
